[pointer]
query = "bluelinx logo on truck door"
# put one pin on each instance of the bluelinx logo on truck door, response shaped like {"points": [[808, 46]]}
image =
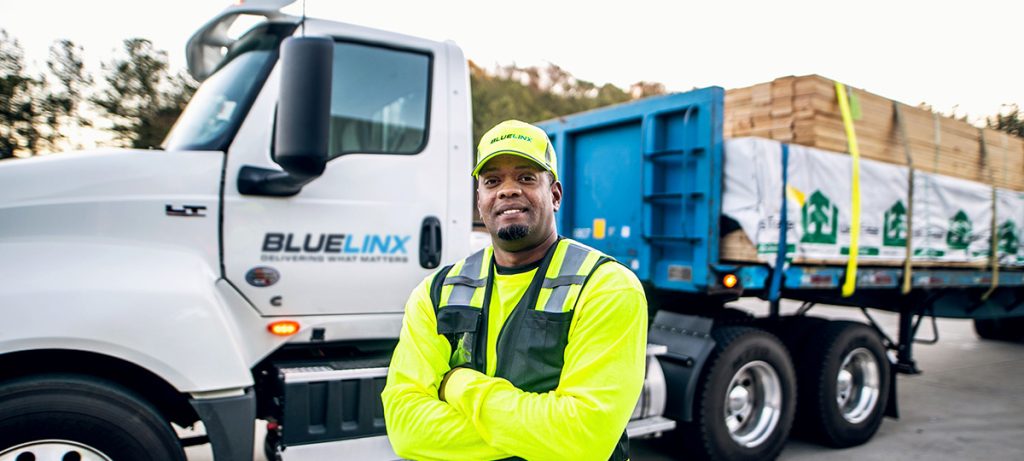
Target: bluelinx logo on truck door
{"points": [[289, 247]]}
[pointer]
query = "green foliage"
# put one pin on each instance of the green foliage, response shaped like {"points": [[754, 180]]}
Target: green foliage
{"points": [[1010, 122], [533, 94], [36, 112], [142, 99], [19, 133]]}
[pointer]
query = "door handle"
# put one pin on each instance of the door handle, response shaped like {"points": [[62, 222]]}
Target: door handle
{"points": [[430, 243]]}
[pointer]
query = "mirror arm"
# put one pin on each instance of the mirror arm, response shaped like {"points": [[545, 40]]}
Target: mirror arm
{"points": [[271, 183]]}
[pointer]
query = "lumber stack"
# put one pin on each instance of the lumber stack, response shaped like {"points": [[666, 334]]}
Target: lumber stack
{"points": [[803, 110]]}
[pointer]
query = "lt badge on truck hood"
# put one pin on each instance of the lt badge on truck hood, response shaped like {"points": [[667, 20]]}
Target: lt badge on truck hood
{"points": [[186, 211]]}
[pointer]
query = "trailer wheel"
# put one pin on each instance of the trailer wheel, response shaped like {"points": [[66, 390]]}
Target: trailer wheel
{"points": [[844, 384], [1008, 329], [67, 417], [745, 405]]}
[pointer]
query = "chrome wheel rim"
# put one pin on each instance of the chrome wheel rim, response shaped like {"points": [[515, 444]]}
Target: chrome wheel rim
{"points": [[52, 450], [753, 404], [858, 385]]}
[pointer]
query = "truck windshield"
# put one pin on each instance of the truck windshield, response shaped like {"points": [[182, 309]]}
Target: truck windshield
{"points": [[212, 117]]}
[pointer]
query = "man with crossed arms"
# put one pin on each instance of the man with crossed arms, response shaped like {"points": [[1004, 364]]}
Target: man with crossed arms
{"points": [[533, 348]]}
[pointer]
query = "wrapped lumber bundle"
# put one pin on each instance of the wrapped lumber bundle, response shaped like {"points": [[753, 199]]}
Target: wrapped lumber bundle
{"points": [[803, 110], [1010, 219], [951, 221], [962, 174]]}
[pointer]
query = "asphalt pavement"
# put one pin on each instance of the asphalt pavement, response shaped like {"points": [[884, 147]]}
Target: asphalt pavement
{"points": [[968, 404]]}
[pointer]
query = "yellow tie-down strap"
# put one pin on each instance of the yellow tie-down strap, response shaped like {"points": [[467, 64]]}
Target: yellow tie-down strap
{"points": [[850, 284], [908, 262]]}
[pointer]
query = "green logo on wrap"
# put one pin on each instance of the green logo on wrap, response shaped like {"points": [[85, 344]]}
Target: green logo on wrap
{"points": [[1008, 241], [895, 234], [959, 235], [820, 220]]}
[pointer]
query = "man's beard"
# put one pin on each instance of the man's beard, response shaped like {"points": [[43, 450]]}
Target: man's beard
{"points": [[513, 232]]}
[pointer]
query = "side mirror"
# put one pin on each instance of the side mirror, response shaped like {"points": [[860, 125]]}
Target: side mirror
{"points": [[304, 107], [302, 131]]}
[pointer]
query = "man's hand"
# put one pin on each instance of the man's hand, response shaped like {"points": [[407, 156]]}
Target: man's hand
{"points": [[440, 389]]}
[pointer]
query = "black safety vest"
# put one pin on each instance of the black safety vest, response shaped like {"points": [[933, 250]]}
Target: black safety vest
{"points": [[531, 343]]}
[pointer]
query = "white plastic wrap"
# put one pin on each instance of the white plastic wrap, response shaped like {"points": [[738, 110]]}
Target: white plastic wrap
{"points": [[952, 217], [820, 193], [753, 191], [1010, 224]]}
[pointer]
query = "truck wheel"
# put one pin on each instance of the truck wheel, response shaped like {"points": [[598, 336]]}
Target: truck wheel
{"points": [[1008, 329], [844, 378], [745, 406], [68, 417]]}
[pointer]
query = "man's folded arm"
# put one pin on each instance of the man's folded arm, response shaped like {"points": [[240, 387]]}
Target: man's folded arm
{"points": [[600, 383], [419, 425]]}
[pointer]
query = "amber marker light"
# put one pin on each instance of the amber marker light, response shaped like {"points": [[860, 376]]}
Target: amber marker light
{"points": [[283, 328], [729, 280]]}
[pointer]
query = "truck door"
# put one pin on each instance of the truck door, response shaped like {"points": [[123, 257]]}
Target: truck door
{"points": [[350, 241]]}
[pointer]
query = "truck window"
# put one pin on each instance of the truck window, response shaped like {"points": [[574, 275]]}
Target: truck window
{"points": [[221, 102], [378, 100]]}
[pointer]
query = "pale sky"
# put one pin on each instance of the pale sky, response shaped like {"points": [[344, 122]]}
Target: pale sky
{"points": [[944, 53]]}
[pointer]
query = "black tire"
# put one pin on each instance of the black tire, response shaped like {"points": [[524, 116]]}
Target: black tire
{"points": [[104, 417], [794, 331], [820, 415], [738, 349], [1008, 329]]}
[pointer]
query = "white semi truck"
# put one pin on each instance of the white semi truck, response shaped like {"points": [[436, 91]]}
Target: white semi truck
{"points": [[256, 268]]}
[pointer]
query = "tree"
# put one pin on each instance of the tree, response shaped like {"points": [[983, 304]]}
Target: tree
{"points": [[180, 89], [63, 97], [141, 99], [1011, 122], [644, 89], [18, 111], [533, 94]]}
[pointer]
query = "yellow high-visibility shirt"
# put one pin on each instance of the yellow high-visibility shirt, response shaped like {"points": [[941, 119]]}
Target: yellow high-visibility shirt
{"points": [[486, 417]]}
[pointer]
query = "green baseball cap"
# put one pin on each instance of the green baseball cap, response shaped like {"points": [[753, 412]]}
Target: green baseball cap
{"points": [[513, 137]]}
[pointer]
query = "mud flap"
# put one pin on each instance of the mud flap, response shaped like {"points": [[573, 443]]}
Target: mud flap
{"points": [[689, 345], [229, 424], [892, 408]]}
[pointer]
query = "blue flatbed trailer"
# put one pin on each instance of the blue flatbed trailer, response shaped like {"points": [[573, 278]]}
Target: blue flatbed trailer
{"points": [[655, 167], [643, 182]]}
